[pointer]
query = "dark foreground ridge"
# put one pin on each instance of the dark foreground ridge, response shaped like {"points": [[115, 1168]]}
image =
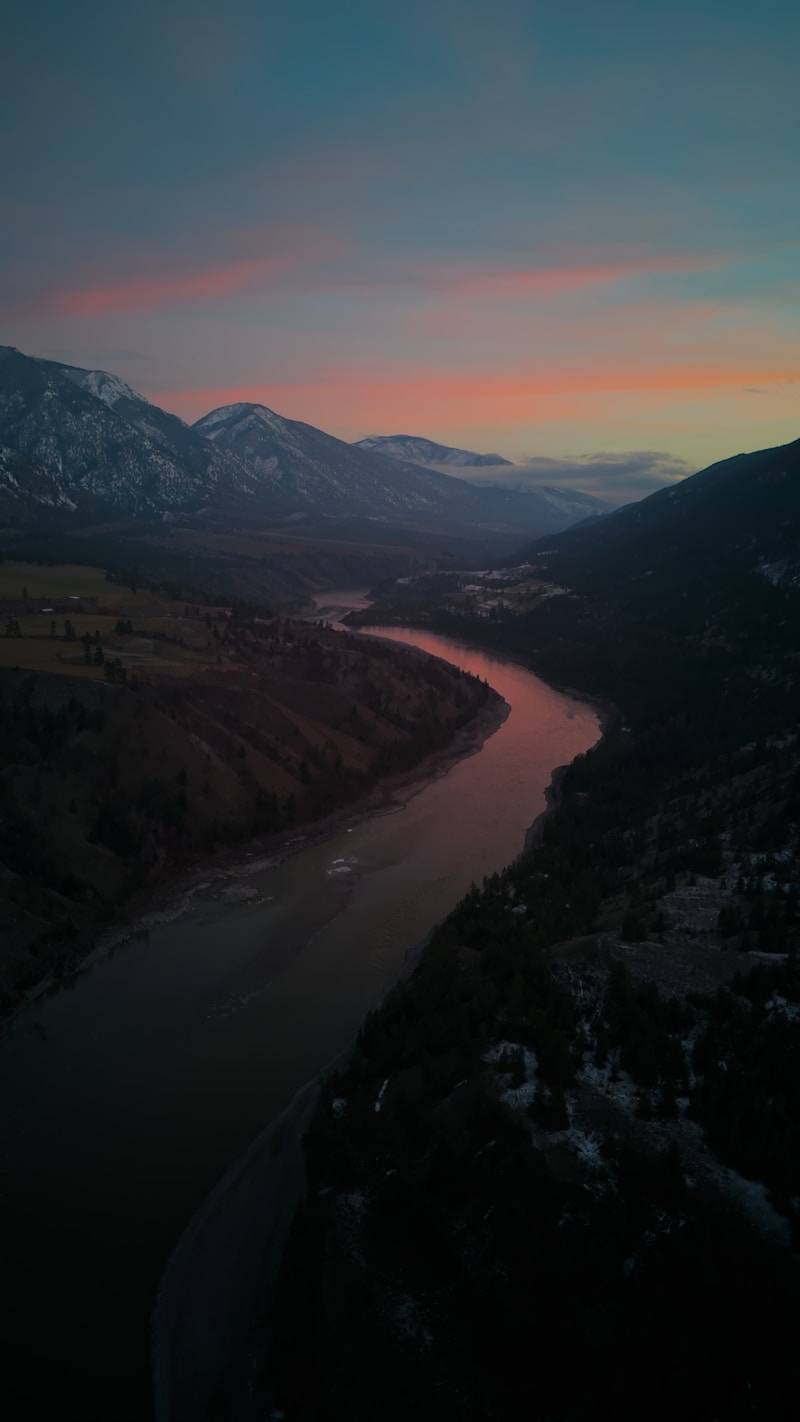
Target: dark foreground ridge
{"points": [[85, 459], [141, 732], [559, 1176]]}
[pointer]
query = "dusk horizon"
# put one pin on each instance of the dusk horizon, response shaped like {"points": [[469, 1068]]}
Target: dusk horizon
{"points": [[256, 213], [400, 711]]}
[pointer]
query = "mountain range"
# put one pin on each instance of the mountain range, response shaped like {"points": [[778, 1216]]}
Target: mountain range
{"points": [[81, 444], [564, 505], [590, 1079], [720, 534], [705, 572], [417, 450]]}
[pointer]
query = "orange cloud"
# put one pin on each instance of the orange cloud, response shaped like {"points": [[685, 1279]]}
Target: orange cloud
{"points": [[499, 279], [206, 282], [157, 289], [553, 280], [356, 398]]}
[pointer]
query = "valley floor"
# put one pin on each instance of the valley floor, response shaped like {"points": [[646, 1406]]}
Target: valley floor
{"points": [[141, 732], [574, 1131]]}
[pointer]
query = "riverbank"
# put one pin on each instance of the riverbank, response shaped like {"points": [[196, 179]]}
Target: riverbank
{"points": [[231, 1251], [170, 896], [224, 1270], [127, 1099], [231, 1254], [170, 902]]}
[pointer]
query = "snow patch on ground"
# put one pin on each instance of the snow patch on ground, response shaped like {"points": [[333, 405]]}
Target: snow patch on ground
{"points": [[782, 1008], [612, 1082], [342, 866], [522, 1094], [587, 1146], [404, 1316]]}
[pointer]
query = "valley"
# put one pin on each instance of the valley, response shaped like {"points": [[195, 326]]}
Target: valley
{"points": [[214, 1015], [572, 1132], [400, 713], [142, 731], [244, 503], [586, 1076]]}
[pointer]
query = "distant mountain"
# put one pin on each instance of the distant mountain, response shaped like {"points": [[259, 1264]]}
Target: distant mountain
{"points": [[81, 444], [297, 469], [416, 450], [81, 441], [699, 580], [300, 470], [737, 519], [24, 484], [614, 1018], [558, 506]]}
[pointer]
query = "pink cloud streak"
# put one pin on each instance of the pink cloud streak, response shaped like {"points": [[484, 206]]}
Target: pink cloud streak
{"points": [[365, 398], [156, 289], [553, 280], [208, 282]]}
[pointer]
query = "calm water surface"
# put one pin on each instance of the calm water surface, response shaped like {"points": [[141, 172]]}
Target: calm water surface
{"points": [[124, 1098]]}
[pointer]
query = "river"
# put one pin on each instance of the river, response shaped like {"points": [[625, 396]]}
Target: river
{"points": [[125, 1097]]}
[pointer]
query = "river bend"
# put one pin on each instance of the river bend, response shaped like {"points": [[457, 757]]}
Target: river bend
{"points": [[125, 1097]]}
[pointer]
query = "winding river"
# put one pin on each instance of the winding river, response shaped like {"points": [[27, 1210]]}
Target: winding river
{"points": [[127, 1096]]}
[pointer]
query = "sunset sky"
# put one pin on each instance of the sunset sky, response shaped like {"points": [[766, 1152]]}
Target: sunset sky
{"points": [[549, 229]]}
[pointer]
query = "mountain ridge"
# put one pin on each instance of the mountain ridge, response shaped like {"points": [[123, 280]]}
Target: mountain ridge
{"points": [[309, 471], [589, 1079], [81, 442], [489, 471], [740, 515], [419, 450], [96, 446]]}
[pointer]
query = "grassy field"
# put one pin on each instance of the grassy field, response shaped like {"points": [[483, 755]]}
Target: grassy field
{"points": [[263, 544], [44, 654], [61, 580], [167, 634], [172, 730]]}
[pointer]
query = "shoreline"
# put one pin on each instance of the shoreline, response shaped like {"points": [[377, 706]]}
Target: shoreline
{"points": [[169, 898], [171, 901], [235, 1241], [229, 1230], [223, 1255], [607, 713]]}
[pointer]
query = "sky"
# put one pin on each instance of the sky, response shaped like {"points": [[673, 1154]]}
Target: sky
{"points": [[564, 231]]}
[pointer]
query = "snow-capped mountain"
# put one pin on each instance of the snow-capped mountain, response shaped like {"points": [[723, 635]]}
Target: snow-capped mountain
{"points": [[556, 508], [25, 484], [300, 470], [415, 450], [78, 443], [83, 441]]}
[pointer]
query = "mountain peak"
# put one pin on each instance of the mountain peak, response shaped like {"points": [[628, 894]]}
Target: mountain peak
{"points": [[104, 386], [415, 449], [83, 440], [240, 414]]}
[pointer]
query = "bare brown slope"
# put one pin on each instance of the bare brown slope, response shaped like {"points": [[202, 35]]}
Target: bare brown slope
{"points": [[224, 727]]}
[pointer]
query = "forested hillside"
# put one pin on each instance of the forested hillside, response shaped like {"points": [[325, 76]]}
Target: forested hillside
{"points": [[140, 730], [559, 1177]]}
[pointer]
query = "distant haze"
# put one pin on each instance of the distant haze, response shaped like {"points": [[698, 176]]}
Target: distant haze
{"points": [[616, 478], [554, 228], [613, 478]]}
